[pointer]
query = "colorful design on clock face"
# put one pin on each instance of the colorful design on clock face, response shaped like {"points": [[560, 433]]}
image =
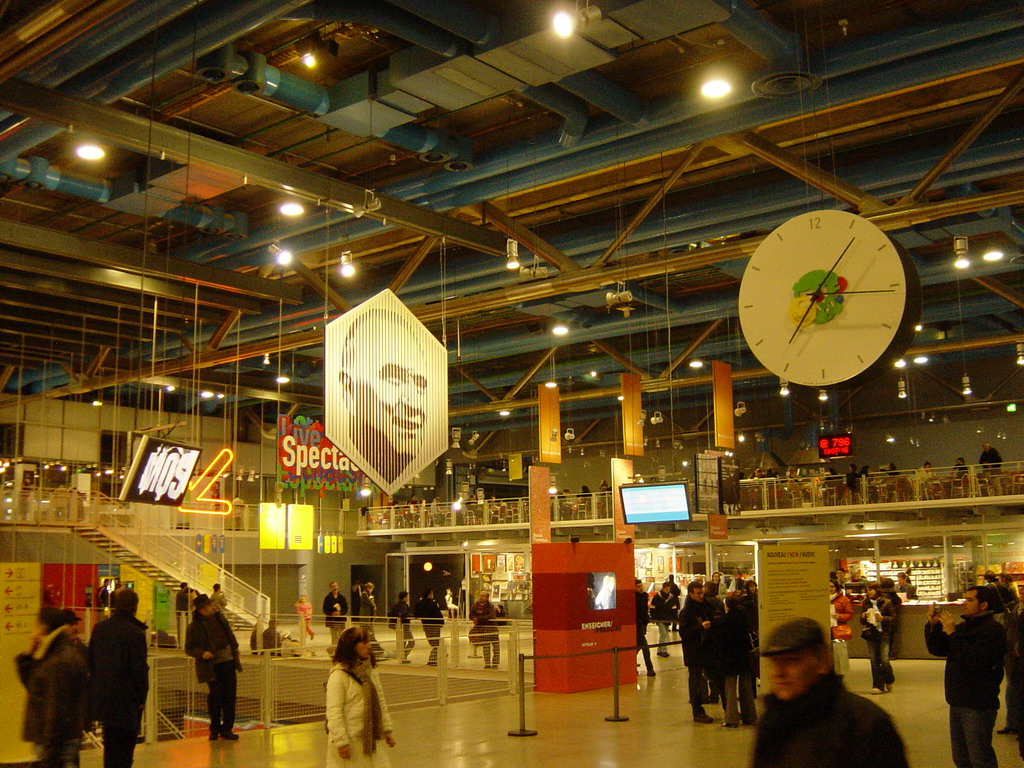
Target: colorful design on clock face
{"points": [[821, 288]]}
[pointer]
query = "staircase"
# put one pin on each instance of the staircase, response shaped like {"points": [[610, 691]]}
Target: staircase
{"points": [[168, 561]]}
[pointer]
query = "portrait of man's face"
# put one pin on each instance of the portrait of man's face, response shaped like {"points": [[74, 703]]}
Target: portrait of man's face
{"points": [[387, 391]]}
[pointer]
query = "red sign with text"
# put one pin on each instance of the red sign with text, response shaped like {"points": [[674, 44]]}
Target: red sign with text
{"points": [[835, 446]]}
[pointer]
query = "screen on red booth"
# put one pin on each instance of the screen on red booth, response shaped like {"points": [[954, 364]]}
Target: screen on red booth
{"points": [[833, 446]]}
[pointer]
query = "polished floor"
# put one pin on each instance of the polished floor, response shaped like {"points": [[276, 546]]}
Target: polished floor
{"points": [[572, 731]]}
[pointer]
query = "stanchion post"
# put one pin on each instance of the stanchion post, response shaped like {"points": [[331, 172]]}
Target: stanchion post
{"points": [[616, 717], [523, 730]]}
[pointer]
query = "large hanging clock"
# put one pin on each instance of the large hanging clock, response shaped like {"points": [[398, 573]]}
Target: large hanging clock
{"points": [[829, 298]]}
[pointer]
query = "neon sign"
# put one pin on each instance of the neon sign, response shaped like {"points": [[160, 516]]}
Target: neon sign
{"points": [[206, 481]]}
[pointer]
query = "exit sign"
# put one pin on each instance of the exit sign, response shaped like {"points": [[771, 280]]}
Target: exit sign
{"points": [[835, 446]]}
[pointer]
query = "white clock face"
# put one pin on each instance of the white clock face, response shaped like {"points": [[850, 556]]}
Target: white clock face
{"points": [[826, 296]]}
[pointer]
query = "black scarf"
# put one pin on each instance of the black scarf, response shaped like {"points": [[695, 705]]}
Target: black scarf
{"points": [[782, 719]]}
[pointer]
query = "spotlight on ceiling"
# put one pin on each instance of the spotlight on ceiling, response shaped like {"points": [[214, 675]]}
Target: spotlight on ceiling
{"points": [[715, 88], [741, 408], [741, 437], [291, 208], [921, 359], [365, 489], [169, 388], [553, 487], [563, 23], [282, 379], [309, 59], [266, 359], [822, 395], [918, 327], [966, 383], [348, 269], [696, 363], [220, 395], [1020, 353], [570, 433], [594, 374], [657, 418], [960, 247], [901, 363], [456, 437], [511, 254], [783, 387], [283, 255], [993, 254], [503, 414], [97, 403], [902, 390], [560, 329], [550, 384], [90, 152], [473, 438], [206, 394]]}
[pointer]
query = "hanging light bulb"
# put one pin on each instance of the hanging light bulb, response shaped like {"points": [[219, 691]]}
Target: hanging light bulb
{"points": [[966, 381], [553, 487], [347, 267], [822, 395], [902, 394], [266, 358], [1020, 353], [511, 254], [283, 255], [783, 387]]}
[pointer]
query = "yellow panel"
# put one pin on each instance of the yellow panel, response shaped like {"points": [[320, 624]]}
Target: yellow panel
{"points": [[144, 588], [300, 526], [632, 428], [273, 522], [515, 466], [721, 381], [17, 626], [549, 425]]}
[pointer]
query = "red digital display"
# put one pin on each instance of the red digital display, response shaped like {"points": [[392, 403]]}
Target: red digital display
{"points": [[833, 446]]}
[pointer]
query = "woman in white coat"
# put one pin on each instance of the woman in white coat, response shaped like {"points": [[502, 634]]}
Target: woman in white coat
{"points": [[357, 715]]}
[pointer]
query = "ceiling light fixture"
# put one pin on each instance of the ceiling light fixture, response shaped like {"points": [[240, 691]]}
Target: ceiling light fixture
{"points": [[822, 395], [902, 393], [563, 23], [90, 152], [553, 487], [783, 387], [593, 374], [550, 384], [890, 439], [266, 358], [696, 363], [918, 327], [901, 363], [282, 379], [966, 382], [1020, 353], [960, 248], [921, 359], [348, 269], [657, 418], [97, 403], [169, 388], [715, 88], [283, 255], [456, 436], [220, 395], [560, 329], [741, 437], [504, 413], [993, 254], [309, 59], [570, 433], [365, 489], [511, 254], [206, 394], [292, 208]]}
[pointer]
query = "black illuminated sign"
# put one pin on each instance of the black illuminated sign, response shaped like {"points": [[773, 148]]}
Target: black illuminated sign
{"points": [[835, 446], [160, 472]]}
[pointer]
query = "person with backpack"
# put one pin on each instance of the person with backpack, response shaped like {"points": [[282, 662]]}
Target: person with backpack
{"points": [[401, 621]]}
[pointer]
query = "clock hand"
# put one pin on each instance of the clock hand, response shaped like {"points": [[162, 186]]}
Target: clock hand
{"points": [[817, 290], [847, 293]]}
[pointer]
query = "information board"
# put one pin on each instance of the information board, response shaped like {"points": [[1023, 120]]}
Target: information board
{"points": [[19, 591]]}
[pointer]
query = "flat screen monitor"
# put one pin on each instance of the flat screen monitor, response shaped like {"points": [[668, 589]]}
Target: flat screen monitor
{"points": [[654, 503], [601, 591]]}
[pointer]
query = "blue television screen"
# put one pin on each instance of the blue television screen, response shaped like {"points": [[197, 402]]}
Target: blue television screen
{"points": [[654, 503]]}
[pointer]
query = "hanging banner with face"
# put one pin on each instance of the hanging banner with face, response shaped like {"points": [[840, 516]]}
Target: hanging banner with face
{"points": [[385, 391]]}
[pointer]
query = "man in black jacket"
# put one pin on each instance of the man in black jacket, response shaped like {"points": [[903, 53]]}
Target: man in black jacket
{"points": [[664, 613], [429, 614], [810, 719], [119, 678], [643, 617], [335, 607], [210, 641], [974, 651], [695, 623]]}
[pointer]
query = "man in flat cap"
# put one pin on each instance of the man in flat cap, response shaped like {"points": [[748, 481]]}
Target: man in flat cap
{"points": [[810, 719]]}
